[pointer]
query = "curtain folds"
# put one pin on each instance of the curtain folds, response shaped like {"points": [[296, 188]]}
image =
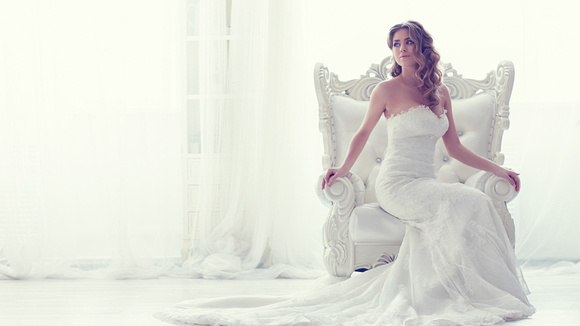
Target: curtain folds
{"points": [[258, 217]]}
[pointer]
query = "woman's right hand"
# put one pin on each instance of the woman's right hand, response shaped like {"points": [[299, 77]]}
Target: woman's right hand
{"points": [[376, 109], [331, 175]]}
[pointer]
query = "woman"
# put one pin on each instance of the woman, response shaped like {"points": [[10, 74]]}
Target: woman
{"points": [[455, 266], [417, 85]]}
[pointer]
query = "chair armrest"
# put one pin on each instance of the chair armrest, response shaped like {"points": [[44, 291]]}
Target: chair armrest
{"points": [[342, 197], [495, 187], [500, 192], [341, 190]]}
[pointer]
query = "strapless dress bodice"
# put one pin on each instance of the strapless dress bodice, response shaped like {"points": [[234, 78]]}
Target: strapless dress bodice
{"points": [[412, 135], [417, 121]]}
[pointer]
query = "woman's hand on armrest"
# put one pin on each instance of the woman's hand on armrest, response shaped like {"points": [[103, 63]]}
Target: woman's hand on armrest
{"points": [[509, 175], [332, 174]]}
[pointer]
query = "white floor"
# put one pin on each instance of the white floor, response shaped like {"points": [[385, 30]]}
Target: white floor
{"points": [[131, 302]]}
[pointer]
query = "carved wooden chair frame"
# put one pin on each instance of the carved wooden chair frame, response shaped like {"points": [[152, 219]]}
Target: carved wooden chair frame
{"points": [[344, 196]]}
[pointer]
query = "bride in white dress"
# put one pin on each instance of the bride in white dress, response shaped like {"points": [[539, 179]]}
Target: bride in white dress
{"points": [[455, 266]]}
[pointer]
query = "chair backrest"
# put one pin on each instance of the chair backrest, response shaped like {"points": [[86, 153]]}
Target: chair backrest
{"points": [[480, 110]]}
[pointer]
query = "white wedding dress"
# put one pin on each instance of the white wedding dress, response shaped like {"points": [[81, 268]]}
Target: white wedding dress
{"points": [[455, 266]]}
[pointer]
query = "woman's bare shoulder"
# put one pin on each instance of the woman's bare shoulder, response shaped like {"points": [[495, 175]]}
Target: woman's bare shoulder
{"points": [[444, 94], [387, 86], [443, 90]]}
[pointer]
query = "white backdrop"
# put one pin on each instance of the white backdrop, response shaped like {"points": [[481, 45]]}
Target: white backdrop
{"points": [[90, 102]]}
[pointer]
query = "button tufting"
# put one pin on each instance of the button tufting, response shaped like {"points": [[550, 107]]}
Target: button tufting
{"points": [[445, 158], [379, 160]]}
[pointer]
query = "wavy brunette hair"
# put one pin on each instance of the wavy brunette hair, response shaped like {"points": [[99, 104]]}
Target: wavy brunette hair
{"points": [[428, 73]]}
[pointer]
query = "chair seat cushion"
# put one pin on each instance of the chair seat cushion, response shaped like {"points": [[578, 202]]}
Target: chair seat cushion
{"points": [[369, 223]]}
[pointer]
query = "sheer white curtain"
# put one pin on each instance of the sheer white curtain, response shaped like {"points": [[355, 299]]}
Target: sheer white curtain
{"points": [[546, 153], [90, 96], [259, 164], [90, 101]]}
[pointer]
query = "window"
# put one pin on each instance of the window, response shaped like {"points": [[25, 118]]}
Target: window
{"points": [[192, 135]]}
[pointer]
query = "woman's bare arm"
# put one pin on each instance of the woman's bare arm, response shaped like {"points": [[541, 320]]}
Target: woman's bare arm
{"points": [[464, 155], [374, 112]]}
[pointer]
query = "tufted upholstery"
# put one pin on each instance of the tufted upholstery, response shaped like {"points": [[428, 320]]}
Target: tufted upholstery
{"points": [[474, 121], [474, 128], [358, 233]]}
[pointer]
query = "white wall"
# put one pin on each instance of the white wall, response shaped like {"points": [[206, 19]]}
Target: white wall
{"points": [[540, 37]]}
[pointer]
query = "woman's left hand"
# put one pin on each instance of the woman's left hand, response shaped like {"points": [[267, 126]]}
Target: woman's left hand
{"points": [[510, 176]]}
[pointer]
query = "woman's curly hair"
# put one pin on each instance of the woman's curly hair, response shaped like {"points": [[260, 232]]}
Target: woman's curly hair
{"points": [[427, 57]]}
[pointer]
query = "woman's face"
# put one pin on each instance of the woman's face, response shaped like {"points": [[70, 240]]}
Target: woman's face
{"points": [[403, 48]]}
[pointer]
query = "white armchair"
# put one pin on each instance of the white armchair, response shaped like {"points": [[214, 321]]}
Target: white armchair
{"points": [[358, 234]]}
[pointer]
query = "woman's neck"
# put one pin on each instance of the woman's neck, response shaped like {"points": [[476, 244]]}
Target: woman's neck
{"points": [[408, 76]]}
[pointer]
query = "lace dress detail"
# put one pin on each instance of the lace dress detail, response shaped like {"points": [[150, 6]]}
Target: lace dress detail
{"points": [[455, 266]]}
